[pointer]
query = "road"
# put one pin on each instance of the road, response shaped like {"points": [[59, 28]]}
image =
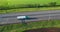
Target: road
{"points": [[42, 15]]}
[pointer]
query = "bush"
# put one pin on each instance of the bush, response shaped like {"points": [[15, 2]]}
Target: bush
{"points": [[33, 6], [52, 4], [4, 8]]}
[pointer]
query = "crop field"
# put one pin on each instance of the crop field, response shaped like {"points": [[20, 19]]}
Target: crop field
{"points": [[31, 25]]}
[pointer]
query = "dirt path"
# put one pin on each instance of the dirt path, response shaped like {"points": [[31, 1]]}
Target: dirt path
{"points": [[53, 29]]}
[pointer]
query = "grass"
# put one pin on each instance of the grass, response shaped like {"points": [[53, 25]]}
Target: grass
{"points": [[29, 10], [32, 25], [23, 3], [17, 2]]}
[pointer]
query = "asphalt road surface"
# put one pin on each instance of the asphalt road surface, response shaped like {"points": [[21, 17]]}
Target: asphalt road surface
{"points": [[42, 15]]}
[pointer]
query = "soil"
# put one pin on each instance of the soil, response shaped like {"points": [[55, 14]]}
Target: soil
{"points": [[53, 29]]}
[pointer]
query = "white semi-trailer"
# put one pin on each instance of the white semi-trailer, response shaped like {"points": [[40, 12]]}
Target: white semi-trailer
{"points": [[22, 17]]}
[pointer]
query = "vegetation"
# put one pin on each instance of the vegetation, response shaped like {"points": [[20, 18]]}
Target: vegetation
{"points": [[10, 6], [52, 4], [29, 10], [31, 25]]}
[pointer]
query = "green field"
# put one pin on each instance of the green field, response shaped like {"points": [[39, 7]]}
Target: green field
{"points": [[23, 3], [18, 2], [31, 25]]}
